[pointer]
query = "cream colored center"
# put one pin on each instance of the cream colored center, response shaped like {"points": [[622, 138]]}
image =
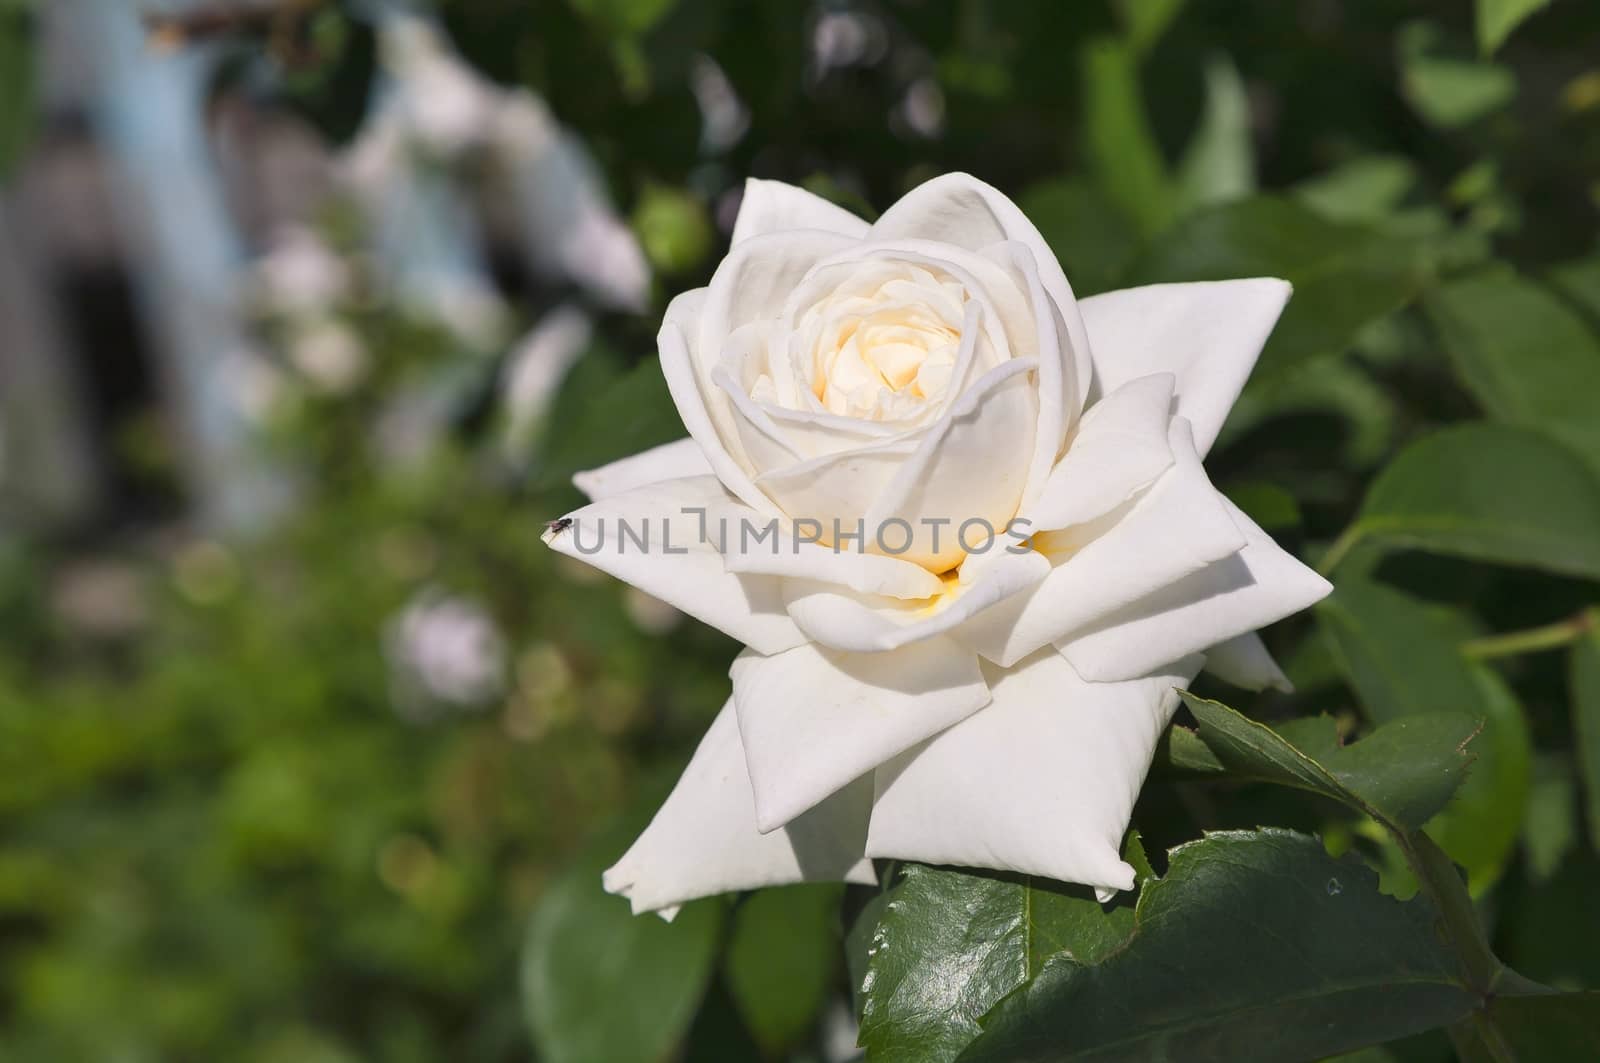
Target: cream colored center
{"points": [[881, 351]]}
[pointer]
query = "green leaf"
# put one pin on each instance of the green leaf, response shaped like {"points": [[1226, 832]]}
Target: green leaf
{"points": [[1403, 660], [1542, 1028], [1585, 686], [1445, 90], [624, 18], [1579, 283], [619, 414], [1144, 21], [1267, 504], [1526, 357], [1344, 276], [1550, 827], [1120, 145], [1089, 233], [1256, 945], [1487, 493], [1401, 774], [954, 942], [1497, 18], [1367, 189], [781, 960], [602, 985], [858, 943], [1220, 163]]}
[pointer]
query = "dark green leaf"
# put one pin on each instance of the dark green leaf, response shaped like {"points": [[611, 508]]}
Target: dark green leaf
{"points": [[1344, 276], [620, 414], [1585, 685], [1541, 1028], [1089, 234], [602, 985], [954, 942], [1526, 357], [781, 959], [1403, 660], [1579, 283], [1267, 504], [1488, 493], [858, 943], [1401, 774], [1256, 945]]}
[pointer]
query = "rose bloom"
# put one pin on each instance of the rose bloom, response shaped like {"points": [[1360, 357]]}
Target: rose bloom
{"points": [[908, 693]]}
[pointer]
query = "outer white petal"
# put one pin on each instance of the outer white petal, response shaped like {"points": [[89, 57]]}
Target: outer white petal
{"points": [[772, 206], [675, 563], [960, 209], [1119, 449], [1207, 333], [1177, 528], [669, 461], [690, 396], [1261, 584], [814, 720], [1042, 781], [704, 840], [1245, 662]]}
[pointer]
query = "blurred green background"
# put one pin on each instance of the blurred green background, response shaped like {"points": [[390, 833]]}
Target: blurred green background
{"points": [[309, 310]]}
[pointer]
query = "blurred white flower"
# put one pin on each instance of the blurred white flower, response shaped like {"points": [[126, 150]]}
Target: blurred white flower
{"points": [[444, 649], [329, 355], [298, 275], [723, 116], [444, 104], [434, 105], [538, 365], [253, 382], [922, 109]]}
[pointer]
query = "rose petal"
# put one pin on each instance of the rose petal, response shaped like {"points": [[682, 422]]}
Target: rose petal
{"points": [[813, 720], [704, 840], [1177, 528], [971, 466], [781, 548], [689, 395], [1119, 449], [1060, 396], [772, 206], [669, 461], [1041, 782], [958, 208], [1207, 333], [667, 556], [868, 624], [1260, 585], [1245, 662]]}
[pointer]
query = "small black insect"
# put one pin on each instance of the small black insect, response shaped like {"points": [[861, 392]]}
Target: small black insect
{"points": [[556, 527]]}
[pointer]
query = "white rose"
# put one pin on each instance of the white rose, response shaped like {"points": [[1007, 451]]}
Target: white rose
{"points": [[989, 707]]}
